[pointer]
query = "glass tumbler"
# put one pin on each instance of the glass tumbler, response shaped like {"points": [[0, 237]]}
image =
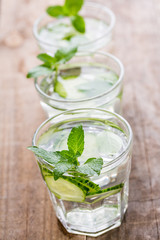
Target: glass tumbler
{"points": [[107, 135], [98, 84], [50, 32]]}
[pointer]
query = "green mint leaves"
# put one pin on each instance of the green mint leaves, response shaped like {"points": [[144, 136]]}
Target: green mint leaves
{"points": [[47, 59], [63, 55], [61, 160], [63, 166], [69, 9], [55, 11], [66, 161], [76, 141], [72, 7], [91, 167], [50, 157], [38, 71], [51, 65], [78, 23]]}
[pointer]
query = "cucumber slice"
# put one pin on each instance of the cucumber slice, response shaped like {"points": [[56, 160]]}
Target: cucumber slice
{"points": [[116, 188], [64, 189], [59, 88], [45, 172], [106, 194], [102, 196]]}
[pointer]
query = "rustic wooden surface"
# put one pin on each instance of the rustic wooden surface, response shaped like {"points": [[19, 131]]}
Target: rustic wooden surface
{"points": [[25, 209]]}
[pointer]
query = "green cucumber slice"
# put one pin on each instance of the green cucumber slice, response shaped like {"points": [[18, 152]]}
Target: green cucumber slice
{"points": [[45, 171], [59, 88], [116, 188], [64, 189], [102, 196], [104, 193]]}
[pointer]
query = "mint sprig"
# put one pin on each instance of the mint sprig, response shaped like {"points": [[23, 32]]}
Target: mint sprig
{"points": [[66, 161], [51, 66], [65, 165], [69, 9]]}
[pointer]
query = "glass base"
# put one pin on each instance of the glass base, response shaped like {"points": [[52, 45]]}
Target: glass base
{"points": [[96, 234], [94, 219]]}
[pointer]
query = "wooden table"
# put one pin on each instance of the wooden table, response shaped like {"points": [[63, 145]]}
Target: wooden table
{"points": [[25, 208]]}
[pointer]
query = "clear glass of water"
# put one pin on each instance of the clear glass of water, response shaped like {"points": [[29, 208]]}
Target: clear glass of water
{"points": [[107, 135], [89, 80], [51, 33]]}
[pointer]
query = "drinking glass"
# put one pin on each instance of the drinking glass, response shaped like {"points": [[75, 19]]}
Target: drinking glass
{"points": [[98, 79], [50, 32], [107, 135]]}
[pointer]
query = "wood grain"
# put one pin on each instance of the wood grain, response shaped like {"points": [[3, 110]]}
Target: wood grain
{"points": [[25, 208]]}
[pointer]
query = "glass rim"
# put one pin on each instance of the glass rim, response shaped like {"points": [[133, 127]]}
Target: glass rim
{"points": [[123, 120], [89, 53], [109, 29]]}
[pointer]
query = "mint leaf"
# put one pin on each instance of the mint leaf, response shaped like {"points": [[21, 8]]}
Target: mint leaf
{"points": [[56, 11], [92, 166], [67, 161], [67, 154], [78, 23], [51, 157], [44, 57], [58, 88], [61, 161], [76, 140], [63, 55], [39, 71], [72, 7], [86, 170], [62, 167], [95, 164]]}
